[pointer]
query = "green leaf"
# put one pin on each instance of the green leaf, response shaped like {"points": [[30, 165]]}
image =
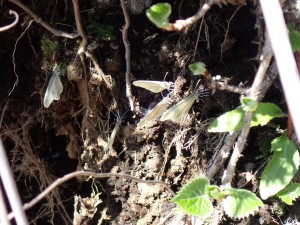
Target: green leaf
{"points": [[289, 193], [230, 121], [159, 14], [214, 192], [193, 198], [264, 113], [281, 168], [240, 203], [248, 104], [197, 68], [234, 120], [294, 37]]}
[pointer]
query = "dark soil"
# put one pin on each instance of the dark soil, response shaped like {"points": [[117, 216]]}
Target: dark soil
{"points": [[46, 143]]}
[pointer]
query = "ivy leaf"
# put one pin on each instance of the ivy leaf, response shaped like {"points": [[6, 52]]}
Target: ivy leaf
{"points": [[193, 198], [281, 168], [234, 120], [264, 113], [294, 37], [159, 14], [197, 68], [289, 193], [240, 203]]}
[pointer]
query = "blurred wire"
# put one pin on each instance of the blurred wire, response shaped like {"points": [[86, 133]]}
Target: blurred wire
{"points": [[11, 190]]}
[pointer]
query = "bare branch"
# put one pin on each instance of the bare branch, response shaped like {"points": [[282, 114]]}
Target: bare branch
{"points": [[42, 22], [69, 176], [7, 27], [181, 24]]}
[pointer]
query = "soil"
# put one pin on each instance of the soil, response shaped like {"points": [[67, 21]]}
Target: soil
{"points": [[74, 133]]}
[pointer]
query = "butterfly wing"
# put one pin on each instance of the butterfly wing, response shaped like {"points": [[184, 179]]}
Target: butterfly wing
{"points": [[179, 110], [54, 89], [153, 86], [156, 112]]}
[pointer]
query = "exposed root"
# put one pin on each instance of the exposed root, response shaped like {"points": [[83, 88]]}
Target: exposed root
{"points": [[7, 27], [39, 20]]}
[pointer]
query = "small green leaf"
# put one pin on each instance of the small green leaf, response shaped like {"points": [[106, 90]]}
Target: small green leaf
{"points": [[234, 120], [193, 198], [197, 68], [289, 193], [264, 113], [281, 168], [215, 192], [294, 37], [240, 203], [248, 104], [159, 14]]}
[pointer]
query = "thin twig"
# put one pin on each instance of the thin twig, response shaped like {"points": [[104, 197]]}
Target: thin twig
{"points": [[221, 156], [113, 134], [7, 27], [82, 47], [127, 54], [226, 87], [227, 32], [14, 59], [69, 176], [165, 219], [254, 92], [181, 24], [39, 20], [98, 69]]}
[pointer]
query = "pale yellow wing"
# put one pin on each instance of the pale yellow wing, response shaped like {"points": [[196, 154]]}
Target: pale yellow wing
{"points": [[181, 109], [54, 89], [156, 112], [153, 86]]}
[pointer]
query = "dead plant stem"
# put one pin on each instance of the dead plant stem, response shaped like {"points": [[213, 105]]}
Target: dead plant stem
{"points": [[14, 59], [69, 176], [82, 47], [181, 24], [225, 41], [226, 87], [98, 69], [127, 55], [39, 20]]}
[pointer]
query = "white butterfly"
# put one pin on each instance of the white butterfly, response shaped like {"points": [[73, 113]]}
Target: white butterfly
{"points": [[181, 109], [54, 88], [153, 86], [156, 112]]}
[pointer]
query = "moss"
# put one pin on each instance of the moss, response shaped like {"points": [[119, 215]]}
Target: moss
{"points": [[62, 68], [49, 47], [105, 32]]}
